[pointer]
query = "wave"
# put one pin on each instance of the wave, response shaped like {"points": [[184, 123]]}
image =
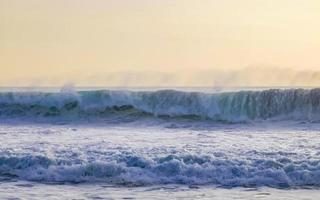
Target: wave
{"points": [[287, 104], [138, 170]]}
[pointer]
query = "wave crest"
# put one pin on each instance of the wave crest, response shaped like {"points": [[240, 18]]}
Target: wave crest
{"points": [[233, 106]]}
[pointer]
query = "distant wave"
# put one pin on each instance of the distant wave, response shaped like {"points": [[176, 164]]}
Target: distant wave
{"points": [[134, 170], [287, 104]]}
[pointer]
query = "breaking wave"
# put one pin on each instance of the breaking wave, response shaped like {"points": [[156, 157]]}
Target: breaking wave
{"points": [[137, 170], [287, 104]]}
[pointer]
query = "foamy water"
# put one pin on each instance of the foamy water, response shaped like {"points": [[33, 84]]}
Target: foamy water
{"points": [[160, 144]]}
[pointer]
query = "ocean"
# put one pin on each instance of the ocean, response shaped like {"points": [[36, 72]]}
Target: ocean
{"points": [[159, 143]]}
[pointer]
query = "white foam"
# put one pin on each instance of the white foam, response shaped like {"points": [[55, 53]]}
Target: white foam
{"points": [[241, 155]]}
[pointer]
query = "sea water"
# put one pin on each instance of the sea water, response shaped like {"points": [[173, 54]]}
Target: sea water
{"points": [[160, 144]]}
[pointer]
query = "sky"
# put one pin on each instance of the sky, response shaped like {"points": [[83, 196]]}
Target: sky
{"points": [[159, 42]]}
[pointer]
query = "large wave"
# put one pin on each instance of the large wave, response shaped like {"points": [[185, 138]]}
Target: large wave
{"points": [[301, 104], [135, 170]]}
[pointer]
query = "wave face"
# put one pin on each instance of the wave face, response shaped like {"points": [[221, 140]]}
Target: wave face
{"points": [[288, 104], [172, 169]]}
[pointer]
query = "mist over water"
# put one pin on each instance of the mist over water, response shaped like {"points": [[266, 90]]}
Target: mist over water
{"points": [[245, 77]]}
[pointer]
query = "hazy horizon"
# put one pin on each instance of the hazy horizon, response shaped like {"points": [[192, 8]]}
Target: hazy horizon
{"points": [[247, 77], [160, 43]]}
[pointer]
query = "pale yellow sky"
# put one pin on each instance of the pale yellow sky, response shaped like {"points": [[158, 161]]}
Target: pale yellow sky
{"points": [[153, 42]]}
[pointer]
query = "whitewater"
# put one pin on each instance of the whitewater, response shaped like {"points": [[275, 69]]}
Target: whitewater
{"points": [[156, 144]]}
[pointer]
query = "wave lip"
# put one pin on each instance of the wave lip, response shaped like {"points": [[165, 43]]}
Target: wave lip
{"points": [[171, 169], [287, 104]]}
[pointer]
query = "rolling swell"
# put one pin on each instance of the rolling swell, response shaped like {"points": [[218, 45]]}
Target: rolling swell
{"points": [[288, 104]]}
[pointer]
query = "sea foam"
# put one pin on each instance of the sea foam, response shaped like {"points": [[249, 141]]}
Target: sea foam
{"points": [[171, 169]]}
